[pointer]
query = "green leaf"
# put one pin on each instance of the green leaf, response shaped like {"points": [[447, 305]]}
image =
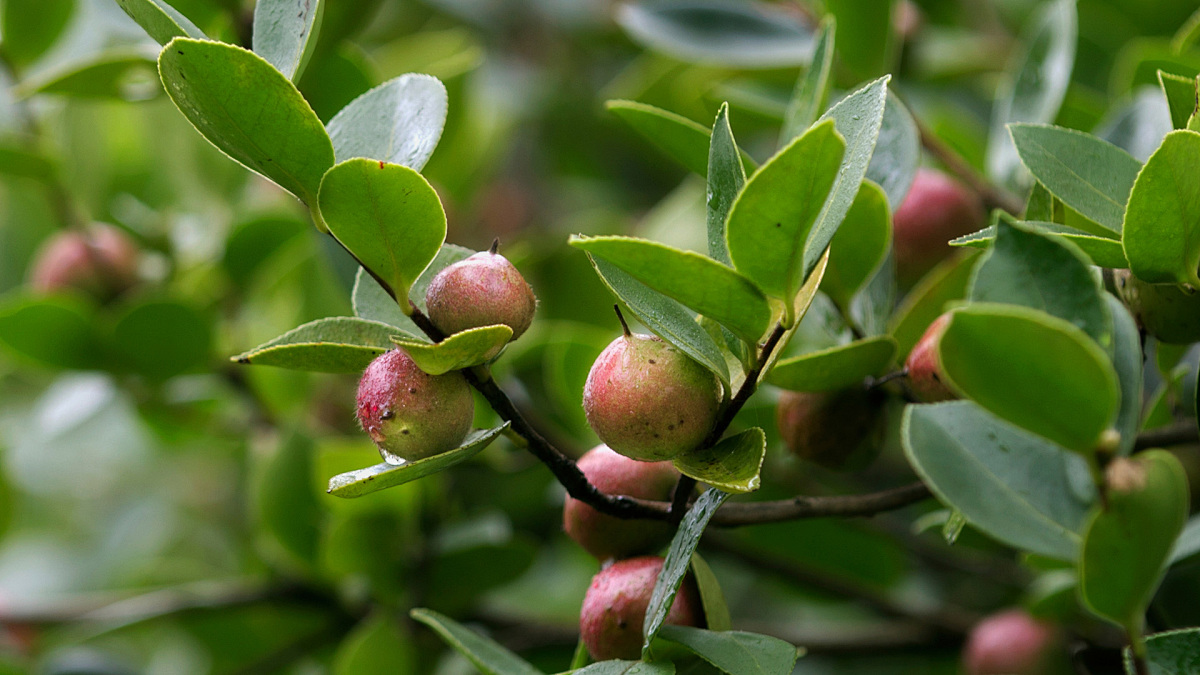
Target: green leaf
{"points": [[680, 138], [858, 117], [1162, 223], [927, 300], [487, 655], [1126, 545], [736, 652], [728, 35], [382, 476], [249, 110], [31, 27], [335, 345], [678, 559], [698, 282], [56, 331], [868, 46], [373, 303], [860, 245], [160, 20], [1174, 652], [1088, 174], [400, 121], [773, 216], [627, 668], [121, 74], [24, 163], [1102, 251], [1035, 84], [812, 89], [804, 300], [897, 152], [161, 338], [725, 180], [388, 216], [1127, 362], [288, 510], [834, 368], [716, 611], [664, 317], [1008, 483], [1188, 543], [285, 33], [1044, 273], [1002, 356], [376, 646], [732, 465], [1181, 97], [464, 349]]}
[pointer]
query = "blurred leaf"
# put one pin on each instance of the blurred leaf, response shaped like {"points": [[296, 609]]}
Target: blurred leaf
{"points": [[897, 152], [400, 121], [1180, 93], [984, 340], [627, 668], [56, 331], [680, 138], [1127, 362], [1138, 126], [249, 110], [812, 89], [716, 611], [382, 476], [1162, 223], [1188, 543], [376, 646], [285, 33], [253, 241], [1008, 483], [332, 80], [1101, 251], [1175, 652], [387, 215], [339, 344], [732, 465], [458, 578], [834, 368], [860, 245], [160, 339], [118, 74], [867, 46], [287, 509], [1089, 174], [725, 180], [488, 656], [162, 21], [31, 27], [698, 282], [24, 163], [464, 349], [1036, 82], [736, 652], [927, 301], [742, 35]]}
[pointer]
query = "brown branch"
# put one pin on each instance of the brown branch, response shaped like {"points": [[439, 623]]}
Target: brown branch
{"points": [[1166, 437]]}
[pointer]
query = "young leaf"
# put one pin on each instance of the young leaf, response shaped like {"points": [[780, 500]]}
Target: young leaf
{"points": [[487, 655], [122, 74], [812, 89], [388, 216], [1102, 252], [334, 345], [680, 138], [716, 611], [31, 27], [400, 121], [224, 90], [160, 20], [1088, 174], [461, 350], [1181, 97], [382, 476], [725, 180], [698, 282], [860, 245], [1008, 483], [1127, 362], [1002, 356], [732, 465], [897, 152], [1162, 223], [678, 559], [285, 33], [834, 368], [376, 646], [927, 300], [1174, 652], [736, 652], [774, 214]]}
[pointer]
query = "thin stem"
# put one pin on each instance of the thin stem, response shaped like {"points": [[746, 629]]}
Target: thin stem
{"points": [[1137, 647], [1165, 437]]}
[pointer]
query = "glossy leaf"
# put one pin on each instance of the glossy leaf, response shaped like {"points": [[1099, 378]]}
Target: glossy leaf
{"points": [[1180, 93], [31, 27], [1102, 252], [1127, 362], [160, 20], [682, 139], [716, 610], [56, 331], [732, 465], [627, 668], [678, 559], [1162, 223], [334, 345], [120, 74], [1035, 83], [249, 110], [161, 338], [984, 343], [387, 215], [834, 368], [464, 349], [376, 646], [288, 510], [1174, 652], [772, 218], [804, 301], [400, 121], [382, 476], [860, 245], [897, 152], [487, 655], [736, 652], [696, 281], [1007, 482], [1087, 173], [947, 283], [726, 177], [285, 33], [812, 89], [1126, 545]]}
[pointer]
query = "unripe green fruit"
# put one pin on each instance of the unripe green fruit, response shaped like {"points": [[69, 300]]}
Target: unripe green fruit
{"points": [[936, 210], [483, 290], [606, 536], [1011, 643], [839, 430], [101, 261], [1166, 311], [614, 608], [410, 414], [649, 401], [926, 379]]}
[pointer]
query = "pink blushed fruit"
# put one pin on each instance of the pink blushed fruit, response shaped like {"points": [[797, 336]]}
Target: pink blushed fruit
{"points": [[482, 290], [615, 607], [101, 261], [926, 379], [1010, 643], [936, 210], [838, 430]]}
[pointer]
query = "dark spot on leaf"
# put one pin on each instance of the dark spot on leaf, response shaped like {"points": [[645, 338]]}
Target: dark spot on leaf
{"points": [[404, 431], [179, 52], [778, 224]]}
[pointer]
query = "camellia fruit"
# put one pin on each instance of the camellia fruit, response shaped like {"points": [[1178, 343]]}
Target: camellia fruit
{"points": [[614, 608], [925, 377], [606, 536], [101, 261], [410, 414], [1010, 643], [1166, 311], [482, 290], [838, 430], [936, 210]]}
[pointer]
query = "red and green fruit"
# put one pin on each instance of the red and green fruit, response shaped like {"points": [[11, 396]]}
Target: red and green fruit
{"points": [[614, 608], [937, 209], [1011, 643], [100, 260], [836, 429], [926, 379]]}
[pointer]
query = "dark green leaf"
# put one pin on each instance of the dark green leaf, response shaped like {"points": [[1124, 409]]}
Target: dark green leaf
{"points": [[1172, 653], [31, 27], [897, 152], [812, 89], [725, 180], [487, 655], [249, 110], [736, 652], [716, 610], [160, 339], [1102, 251], [160, 20], [1008, 483], [1181, 97], [1127, 362], [285, 33], [733, 465], [24, 163], [377, 646], [334, 345], [680, 138], [58, 331], [464, 349], [1162, 223], [947, 283], [121, 74], [383, 476], [400, 121], [834, 368], [288, 510], [860, 245]]}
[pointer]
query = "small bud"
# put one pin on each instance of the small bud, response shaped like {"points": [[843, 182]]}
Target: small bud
{"points": [[614, 608]]}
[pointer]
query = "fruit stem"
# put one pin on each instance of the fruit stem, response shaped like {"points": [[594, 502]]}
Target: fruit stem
{"points": [[495, 247], [621, 318]]}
